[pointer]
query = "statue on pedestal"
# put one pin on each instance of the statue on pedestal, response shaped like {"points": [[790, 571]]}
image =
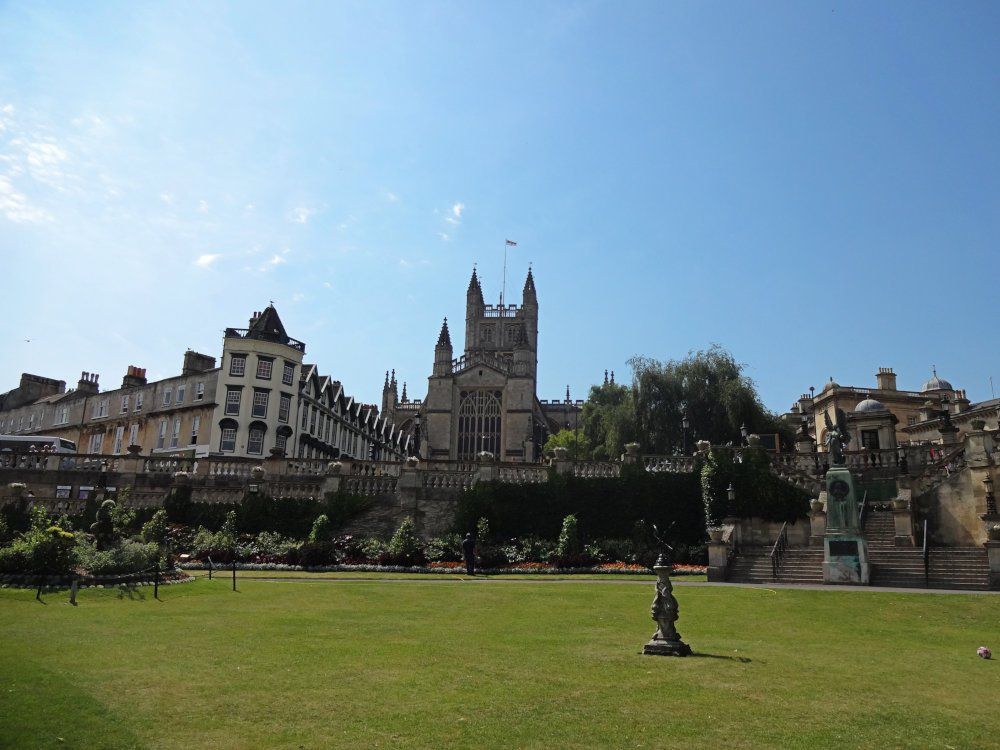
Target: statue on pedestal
{"points": [[837, 437], [666, 641]]}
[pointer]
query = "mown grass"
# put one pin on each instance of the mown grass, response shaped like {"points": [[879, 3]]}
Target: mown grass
{"points": [[386, 664]]}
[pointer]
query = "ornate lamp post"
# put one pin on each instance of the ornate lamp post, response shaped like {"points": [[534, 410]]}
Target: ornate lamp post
{"points": [[731, 498], [685, 424]]}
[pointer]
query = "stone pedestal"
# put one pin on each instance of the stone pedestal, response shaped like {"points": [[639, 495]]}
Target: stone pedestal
{"points": [[845, 560], [993, 554], [666, 641], [845, 554], [718, 560], [817, 527], [903, 518]]}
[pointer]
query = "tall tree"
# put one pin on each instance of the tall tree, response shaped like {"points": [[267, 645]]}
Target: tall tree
{"points": [[709, 387], [609, 419]]}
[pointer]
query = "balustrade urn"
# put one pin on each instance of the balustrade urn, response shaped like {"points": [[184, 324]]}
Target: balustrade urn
{"points": [[181, 478], [334, 468], [258, 473]]}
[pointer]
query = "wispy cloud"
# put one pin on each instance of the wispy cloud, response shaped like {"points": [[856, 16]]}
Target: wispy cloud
{"points": [[167, 198], [298, 297], [391, 196], [16, 207], [405, 263], [445, 237], [454, 215], [206, 260], [202, 207], [301, 215]]}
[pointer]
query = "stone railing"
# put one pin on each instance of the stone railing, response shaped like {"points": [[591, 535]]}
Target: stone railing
{"points": [[370, 486], [168, 465], [523, 474], [306, 466], [375, 469], [669, 464], [459, 480], [596, 469], [283, 490], [230, 467]]}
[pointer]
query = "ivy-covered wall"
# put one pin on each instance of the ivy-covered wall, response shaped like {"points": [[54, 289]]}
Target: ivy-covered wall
{"points": [[759, 493]]}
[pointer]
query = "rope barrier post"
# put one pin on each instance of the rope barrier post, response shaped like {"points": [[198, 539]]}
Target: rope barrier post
{"points": [[156, 582], [234, 572], [38, 594], [210, 568], [73, 586]]}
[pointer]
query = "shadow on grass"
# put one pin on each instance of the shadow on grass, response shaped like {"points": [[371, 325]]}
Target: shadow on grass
{"points": [[740, 659]]}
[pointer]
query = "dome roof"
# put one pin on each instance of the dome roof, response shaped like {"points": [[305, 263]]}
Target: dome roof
{"points": [[830, 385], [936, 384], [870, 404]]}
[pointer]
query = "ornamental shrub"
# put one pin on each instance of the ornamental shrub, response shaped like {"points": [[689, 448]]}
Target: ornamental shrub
{"points": [[447, 548], [155, 529], [321, 529], [47, 551], [569, 538], [5, 533], [405, 547], [129, 557]]}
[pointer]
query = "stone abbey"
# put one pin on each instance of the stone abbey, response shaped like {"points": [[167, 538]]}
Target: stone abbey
{"points": [[484, 400]]}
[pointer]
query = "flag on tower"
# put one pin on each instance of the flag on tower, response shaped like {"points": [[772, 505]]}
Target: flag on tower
{"points": [[511, 243]]}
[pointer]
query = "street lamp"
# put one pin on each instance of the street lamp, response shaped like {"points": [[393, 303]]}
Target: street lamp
{"points": [[731, 497], [685, 424], [991, 502]]}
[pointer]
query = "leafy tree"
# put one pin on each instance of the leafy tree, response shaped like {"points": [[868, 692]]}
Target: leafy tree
{"points": [[575, 441], [483, 535], [608, 419], [710, 387]]}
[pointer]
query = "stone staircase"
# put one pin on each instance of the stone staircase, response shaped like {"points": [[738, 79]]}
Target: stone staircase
{"points": [[799, 565], [948, 567]]}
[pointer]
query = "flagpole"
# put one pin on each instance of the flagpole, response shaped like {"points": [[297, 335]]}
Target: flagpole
{"points": [[503, 289]]}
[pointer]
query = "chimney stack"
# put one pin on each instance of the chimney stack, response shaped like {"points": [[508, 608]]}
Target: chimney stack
{"points": [[885, 379], [195, 362], [134, 377], [88, 383]]}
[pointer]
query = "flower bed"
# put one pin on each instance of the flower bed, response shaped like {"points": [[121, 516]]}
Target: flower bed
{"points": [[453, 567]]}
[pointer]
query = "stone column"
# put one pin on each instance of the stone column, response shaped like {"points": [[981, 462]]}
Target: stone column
{"points": [[817, 520], [488, 469], [718, 560], [902, 516], [332, 478], [561, 461], [408, 489], [993, 553], [631, 453]]}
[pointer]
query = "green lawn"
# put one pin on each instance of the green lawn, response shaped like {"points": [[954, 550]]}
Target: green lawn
{"points": [[395, 665]]}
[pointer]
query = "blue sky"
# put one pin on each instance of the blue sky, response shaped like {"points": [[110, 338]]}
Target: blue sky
{"points": [[812, 185]]}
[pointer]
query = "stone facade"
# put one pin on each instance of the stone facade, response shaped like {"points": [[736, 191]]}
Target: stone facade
{"points": [[261, 398], [883, 417]]}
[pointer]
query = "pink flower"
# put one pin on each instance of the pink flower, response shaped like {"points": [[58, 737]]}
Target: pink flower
{"points": [[984, 652]]}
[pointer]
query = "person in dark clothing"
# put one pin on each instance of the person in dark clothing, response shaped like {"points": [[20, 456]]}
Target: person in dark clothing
{"points": [[469, 551]]}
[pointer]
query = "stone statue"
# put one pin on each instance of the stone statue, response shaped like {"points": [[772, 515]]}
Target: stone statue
{"points": [[837, 437], [664, 611], [666, 641]]}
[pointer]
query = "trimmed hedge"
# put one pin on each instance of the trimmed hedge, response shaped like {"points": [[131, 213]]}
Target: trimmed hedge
{"points": [[604, 508], [289, 517]]}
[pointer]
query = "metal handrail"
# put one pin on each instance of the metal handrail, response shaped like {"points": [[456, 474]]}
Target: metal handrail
{"points": [[861, 512], [927, 574], [778, 550]]}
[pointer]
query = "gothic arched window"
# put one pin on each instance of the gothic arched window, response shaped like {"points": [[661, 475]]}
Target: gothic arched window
{"points": [[478, 423]]}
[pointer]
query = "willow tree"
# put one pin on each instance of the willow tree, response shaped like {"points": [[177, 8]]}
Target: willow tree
{"points": [[709, 387]]}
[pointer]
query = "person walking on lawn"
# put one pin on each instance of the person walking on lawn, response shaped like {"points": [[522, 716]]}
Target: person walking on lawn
{"points": [[469, 551]]}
